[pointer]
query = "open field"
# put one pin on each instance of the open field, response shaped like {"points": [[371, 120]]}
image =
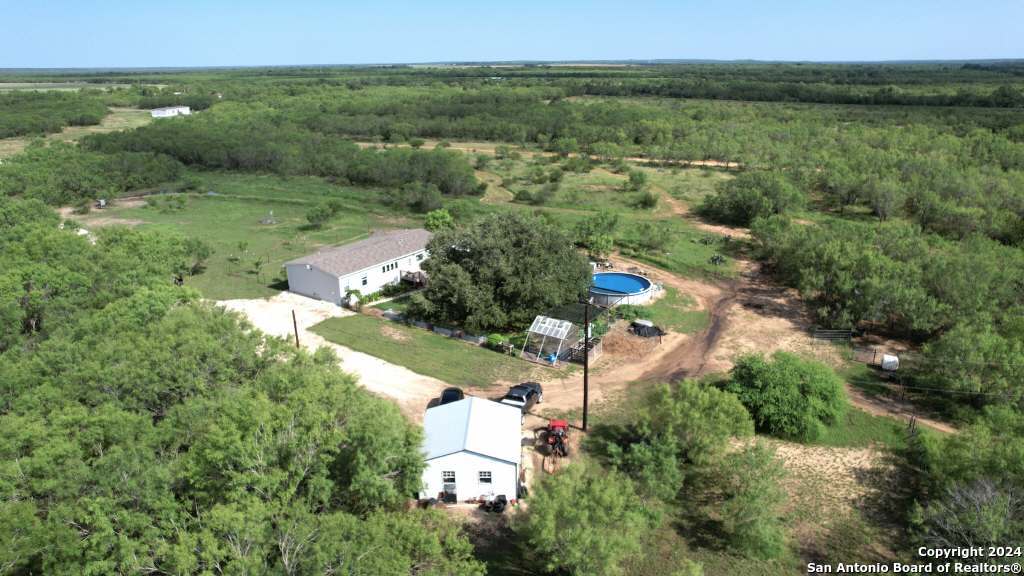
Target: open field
{"points": [[448, 359], [117, 119], [232, 215]]}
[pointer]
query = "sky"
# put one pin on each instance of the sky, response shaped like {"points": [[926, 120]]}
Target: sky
{"points": [[173, 33]]}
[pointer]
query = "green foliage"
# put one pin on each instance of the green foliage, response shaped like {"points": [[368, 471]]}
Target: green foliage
{"points": [[44, 112], [637, 180], [751, 517], [788, 396], [892, 274], [680, 433], [438, 220], [980, 514], [500, 271], [144, 430], [752, 195], [231, 136], [318, 214], [699, 417], [596, 233], [584, 521], [976, 359], [647, 200], [63, 173]]}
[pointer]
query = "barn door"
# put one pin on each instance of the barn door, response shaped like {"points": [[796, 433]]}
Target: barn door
{"points": [[448, 486]]}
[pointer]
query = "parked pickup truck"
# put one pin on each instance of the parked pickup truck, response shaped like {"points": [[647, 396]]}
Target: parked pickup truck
{"points": [[524, 396]]}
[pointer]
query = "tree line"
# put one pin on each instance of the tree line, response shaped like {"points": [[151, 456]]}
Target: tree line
{"points": [[38, 113], [256, 138], [143, 430]]}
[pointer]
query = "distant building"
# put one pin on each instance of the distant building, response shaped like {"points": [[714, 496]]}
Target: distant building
{"points": [[170, 112], [367, 265], [473, 451]]}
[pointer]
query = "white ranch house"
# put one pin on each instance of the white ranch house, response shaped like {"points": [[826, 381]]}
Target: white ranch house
{"points": [[472, 450], [170, 111], [367, 265]]}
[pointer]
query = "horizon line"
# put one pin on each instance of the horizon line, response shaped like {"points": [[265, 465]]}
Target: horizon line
{"points": [[487, 63]]}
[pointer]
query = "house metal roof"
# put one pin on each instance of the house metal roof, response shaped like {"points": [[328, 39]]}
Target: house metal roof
{"points": [[473, 425], [379, 248]]}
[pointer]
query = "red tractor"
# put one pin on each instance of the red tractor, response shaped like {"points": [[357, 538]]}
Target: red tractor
{"points": [[557, 436]]}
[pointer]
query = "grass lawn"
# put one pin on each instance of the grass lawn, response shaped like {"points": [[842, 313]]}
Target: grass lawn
{"points": [[398, 304], [674, 311], [448, 359], [683, 253], [858, 429], [689, 185], [233, 216]]}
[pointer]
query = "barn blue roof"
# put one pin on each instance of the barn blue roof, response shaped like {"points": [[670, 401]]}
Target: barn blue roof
{"points": [[473, 425]]}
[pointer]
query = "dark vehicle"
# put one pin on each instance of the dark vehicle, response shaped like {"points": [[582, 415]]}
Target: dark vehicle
{"points": [[497, 505], [524, 396], [451, 395]]}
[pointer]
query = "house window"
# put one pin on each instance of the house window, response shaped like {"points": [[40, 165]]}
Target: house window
{"points": [[364, 280], [448, 477], [485, 477], [419, 257]]}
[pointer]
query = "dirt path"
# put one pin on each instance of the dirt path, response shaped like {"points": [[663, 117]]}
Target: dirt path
{"points": [[411, 391], [896, 409], [680, 208]]}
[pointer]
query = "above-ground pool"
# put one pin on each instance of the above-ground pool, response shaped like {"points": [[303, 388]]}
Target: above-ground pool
{"points": [[612, 288]]}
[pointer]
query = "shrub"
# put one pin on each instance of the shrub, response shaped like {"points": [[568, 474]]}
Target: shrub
{"points": [[750, 513], [630, 312], [788, 396], [647, 200], [752, 195], [318, 215], [439, 219], [585, 521], [496, 341]]}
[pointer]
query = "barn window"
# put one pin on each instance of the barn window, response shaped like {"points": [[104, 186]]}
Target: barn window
{"points": [[485, 477], [448, 476]]}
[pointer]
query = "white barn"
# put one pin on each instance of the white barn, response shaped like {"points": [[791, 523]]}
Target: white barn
{"points": [[170, 111], [367, 265], [472, 450]]}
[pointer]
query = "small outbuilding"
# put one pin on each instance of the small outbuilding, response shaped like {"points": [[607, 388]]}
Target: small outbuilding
{"points": [[472, 450], [367, 265], [550, 339], [170, 111]]}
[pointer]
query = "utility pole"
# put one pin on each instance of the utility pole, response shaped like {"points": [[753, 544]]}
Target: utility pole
{"points": [[295, 325], [586, 361]]}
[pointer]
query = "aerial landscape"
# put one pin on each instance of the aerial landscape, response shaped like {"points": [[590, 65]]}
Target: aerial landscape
{"points": [[694, 302]]}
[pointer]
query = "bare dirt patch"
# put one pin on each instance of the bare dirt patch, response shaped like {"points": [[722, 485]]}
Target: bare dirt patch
{"points": [[394, 334], [828, 485]]}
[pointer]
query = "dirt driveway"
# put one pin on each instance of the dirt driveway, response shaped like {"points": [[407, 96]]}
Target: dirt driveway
{"points": [[411, 391]]}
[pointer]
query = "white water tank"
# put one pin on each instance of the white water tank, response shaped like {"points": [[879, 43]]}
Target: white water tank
{"points": [[890, 363]]}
